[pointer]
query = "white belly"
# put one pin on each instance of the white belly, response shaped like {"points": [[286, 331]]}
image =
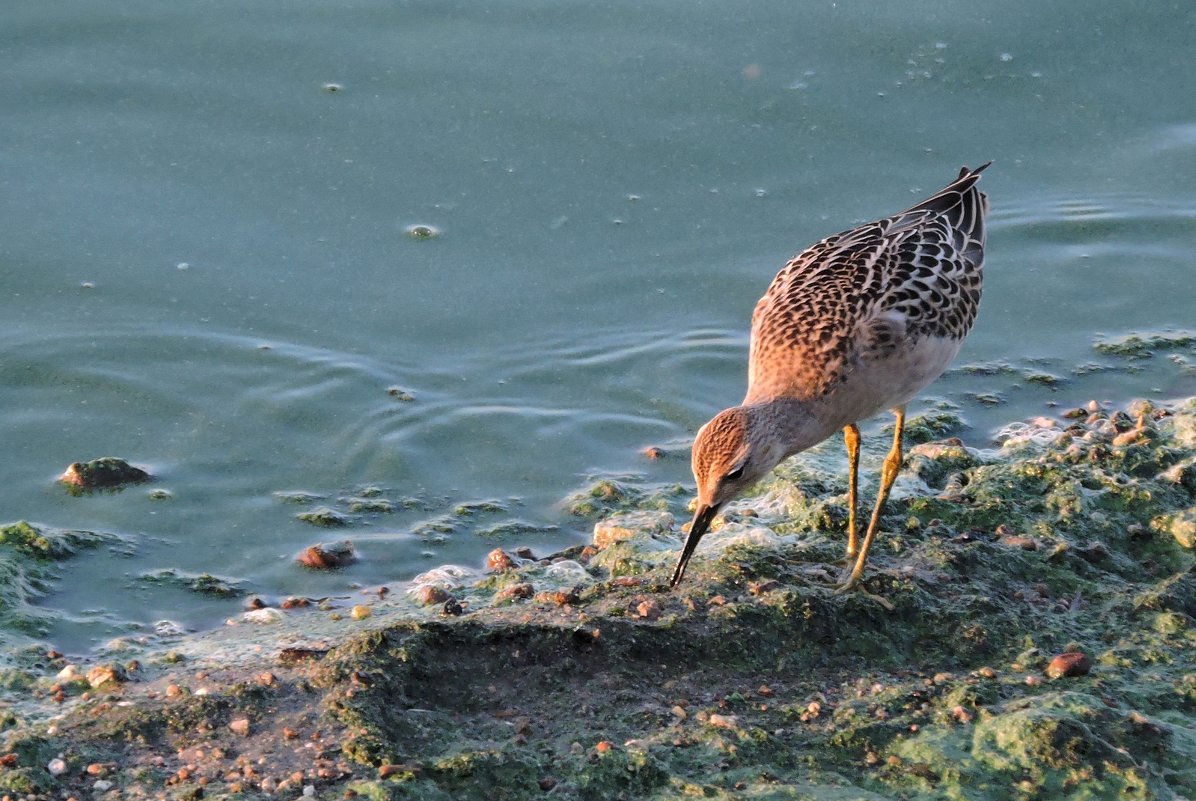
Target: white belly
{"points": [[875, 385]]}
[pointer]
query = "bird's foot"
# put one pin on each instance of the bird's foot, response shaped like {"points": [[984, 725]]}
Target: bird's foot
{"points": [[854, 584]]}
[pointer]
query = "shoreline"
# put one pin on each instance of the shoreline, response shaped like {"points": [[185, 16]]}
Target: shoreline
{"points": [[582, 676]]}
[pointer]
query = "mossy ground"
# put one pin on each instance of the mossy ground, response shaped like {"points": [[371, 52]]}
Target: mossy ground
{"points": [[751, 680]]}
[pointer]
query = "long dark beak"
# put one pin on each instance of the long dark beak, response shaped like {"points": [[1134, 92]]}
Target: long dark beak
{"points": [[699, 526]]}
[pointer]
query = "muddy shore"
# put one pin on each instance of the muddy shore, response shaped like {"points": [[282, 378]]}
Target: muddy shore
{"points": [[1041, 647]]}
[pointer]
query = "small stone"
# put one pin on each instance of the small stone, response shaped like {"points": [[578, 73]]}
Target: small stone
{"points": [[422, 231], [173, 691], [653, 453], [57, 767], [1032, 681], [961, 715], [240, 726], [515, 592], [97, 769], [327, 556], [360, 612], [558, 597], [100, 675], [1070, 663], [604, 746], [764, 690], [723, 721], [648, 610], [632, 524], [102, 786], [547, 783], [499, 561], [430, 595], [679, 712], [266, 679]]}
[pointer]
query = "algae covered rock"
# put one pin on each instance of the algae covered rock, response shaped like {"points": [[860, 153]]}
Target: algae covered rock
{"points": [[633, 524]]}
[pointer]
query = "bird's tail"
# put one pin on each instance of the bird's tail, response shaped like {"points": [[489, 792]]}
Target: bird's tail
{"points": [[964, 206]]}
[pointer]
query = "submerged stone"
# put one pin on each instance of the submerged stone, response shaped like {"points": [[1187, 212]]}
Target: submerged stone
{"points": [[107, 472]]}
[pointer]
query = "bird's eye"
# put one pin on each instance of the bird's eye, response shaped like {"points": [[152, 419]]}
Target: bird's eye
{"points": [[735, 474]]}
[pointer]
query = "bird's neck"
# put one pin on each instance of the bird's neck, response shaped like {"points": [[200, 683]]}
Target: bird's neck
{"points": [[791, 422]]}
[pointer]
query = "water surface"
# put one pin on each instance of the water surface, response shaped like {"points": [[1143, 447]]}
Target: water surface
{"points": [[205, 267]]}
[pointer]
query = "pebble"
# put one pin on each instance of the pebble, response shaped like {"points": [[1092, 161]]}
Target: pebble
{"points": [[1069, 663], [103, 674], [430, 595], [515, 592], [648, 610], [57, 767], [723, 721], [240, 726], [499, 561], [327, 556], [360, 612], [102, 786]]}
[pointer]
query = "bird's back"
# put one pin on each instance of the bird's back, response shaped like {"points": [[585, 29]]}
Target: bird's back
{"points": [[904, 287]]}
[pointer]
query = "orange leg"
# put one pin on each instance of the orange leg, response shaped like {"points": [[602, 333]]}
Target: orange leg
{"points": [[888, 474], [851, 438]]}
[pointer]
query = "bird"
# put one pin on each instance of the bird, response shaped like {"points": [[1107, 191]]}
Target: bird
{"points": [[855, 324]]}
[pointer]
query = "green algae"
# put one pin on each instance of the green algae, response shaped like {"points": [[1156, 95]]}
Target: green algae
{"points": [[754, 679], [1143, 345], [325, 517], [28, 557], [199, 583]]}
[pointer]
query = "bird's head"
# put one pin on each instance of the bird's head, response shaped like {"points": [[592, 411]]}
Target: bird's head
{"points": [[730, 454]]}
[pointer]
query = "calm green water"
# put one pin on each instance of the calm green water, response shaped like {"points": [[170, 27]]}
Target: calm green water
{"points": [[204, 266]]}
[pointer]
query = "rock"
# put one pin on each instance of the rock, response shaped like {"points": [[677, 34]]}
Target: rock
{"points": [[360, 612], [102, 786], [648, 610], [515, 592], [100, 675], [57, 767], [324, 516], [558, 597], [499, 561], [1018, 541], [1181, 526], [327, 556], [429, 595], [633, 524], [105, 473], [240, 726], [1070, 663], [723, 721]]}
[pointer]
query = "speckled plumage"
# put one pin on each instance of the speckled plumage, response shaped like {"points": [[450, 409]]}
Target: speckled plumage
{"points": [[854, 324], [862, 294]]}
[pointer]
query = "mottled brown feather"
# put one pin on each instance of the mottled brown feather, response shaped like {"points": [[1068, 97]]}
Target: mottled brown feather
{"points": [[862, 294]]}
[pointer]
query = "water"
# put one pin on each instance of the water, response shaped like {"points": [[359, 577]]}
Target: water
{"points": [[205, 267]]}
